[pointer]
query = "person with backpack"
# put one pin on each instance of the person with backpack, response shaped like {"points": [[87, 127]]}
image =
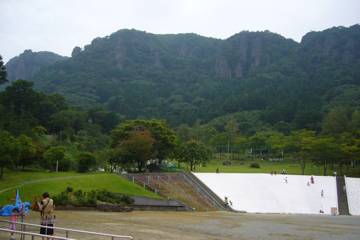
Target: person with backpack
{"points": [[46, 207]]}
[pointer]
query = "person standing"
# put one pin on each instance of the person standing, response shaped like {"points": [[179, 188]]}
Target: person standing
{"points": [[286, 180], [47, 207], [312, 179]]}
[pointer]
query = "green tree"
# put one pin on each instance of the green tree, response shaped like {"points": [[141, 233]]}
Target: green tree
{"points": [[277, 142], [165, 138], [184, 132], [350, 148], [231, 128], [3, 78], [67, 123], [56, 156], [26, 151], [193, 153], [115, 159], [324, 150], [355, 121], [258, 142], [299, 144], [336, 121], [86, 161], [138, 148], [7, 151]]}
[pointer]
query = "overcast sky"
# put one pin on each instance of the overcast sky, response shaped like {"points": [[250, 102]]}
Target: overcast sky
{"points": [[59, 25]]}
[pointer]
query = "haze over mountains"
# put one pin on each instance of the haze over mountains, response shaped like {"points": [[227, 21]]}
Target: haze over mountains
{"points": [[186, 77]]}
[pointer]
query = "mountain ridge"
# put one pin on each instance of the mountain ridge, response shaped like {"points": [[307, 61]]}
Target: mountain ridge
{"points": [[186, 77]]}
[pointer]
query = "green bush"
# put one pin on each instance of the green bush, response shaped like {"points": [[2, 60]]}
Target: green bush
{"points": [[62, 199], [254, 165], [90, 199], [115, 198], [86, 161]]}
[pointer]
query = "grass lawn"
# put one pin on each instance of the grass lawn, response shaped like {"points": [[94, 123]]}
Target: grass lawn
{"points": [[267, 167], [33, 184]]}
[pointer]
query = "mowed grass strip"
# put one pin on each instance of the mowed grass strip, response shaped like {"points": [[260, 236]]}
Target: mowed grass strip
{"points": [[265, 167], [55, 183]]}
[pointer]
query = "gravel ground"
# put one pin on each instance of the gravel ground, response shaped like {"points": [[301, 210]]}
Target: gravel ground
{"points": [[208, 225]]}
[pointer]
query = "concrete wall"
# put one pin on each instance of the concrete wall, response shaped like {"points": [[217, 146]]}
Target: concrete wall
{"points": [[265, 193]]}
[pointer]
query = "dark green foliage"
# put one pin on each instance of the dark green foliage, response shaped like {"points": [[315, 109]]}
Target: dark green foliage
{"points": [[57, 155], [164, 136], [8, 153], [115, 198], [86, 161], [22, 108], [254, 165], [27, 64], [90, 199], [107, 120], [257, 95], [193, 153], [137, 149], [26, 151], [184, 78]]}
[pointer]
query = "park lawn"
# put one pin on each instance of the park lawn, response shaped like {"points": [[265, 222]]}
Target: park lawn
{"points": [[265, 167], [35, 183]]}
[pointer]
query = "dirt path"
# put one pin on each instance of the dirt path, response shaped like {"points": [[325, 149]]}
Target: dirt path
{"points": [[209, 225]]}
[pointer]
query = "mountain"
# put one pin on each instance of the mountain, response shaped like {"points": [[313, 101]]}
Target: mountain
{"points": [[27, 64], [187, 77]]}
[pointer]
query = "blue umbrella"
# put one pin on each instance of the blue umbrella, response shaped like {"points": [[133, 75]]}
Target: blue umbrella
{"points": [[19, 207]]}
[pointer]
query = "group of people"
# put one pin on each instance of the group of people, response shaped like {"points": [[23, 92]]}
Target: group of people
{"points": [[274, 172], [228, 202]]}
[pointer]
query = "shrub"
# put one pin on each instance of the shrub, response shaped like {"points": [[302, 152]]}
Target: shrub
{"points": [[254, 165], [69, 189], [86, 161], [226, 163], [62, 199], [115, 198], [89, 199]]}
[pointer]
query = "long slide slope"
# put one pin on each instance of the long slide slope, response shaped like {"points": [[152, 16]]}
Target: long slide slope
{"points": [[353, 195], [265, 193]]}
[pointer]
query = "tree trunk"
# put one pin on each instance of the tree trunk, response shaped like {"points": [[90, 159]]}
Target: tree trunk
{"points": [[325, 168], [191, 165], [341, 168], [1, 172], [302, 164]]}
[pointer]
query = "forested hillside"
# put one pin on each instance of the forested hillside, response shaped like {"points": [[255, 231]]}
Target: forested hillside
{"points": [[27, 64], [186, 77]]}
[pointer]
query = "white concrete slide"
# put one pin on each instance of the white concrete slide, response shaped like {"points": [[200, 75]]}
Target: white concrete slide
{"points": [[265, 193], [353, 194]]}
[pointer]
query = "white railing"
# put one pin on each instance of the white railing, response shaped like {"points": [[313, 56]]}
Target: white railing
{"points": [[33, 235], [69, 230]]}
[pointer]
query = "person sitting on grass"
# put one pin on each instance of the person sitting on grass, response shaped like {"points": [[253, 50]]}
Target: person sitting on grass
{"points": [[46, 208]]}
